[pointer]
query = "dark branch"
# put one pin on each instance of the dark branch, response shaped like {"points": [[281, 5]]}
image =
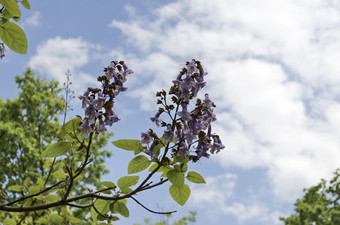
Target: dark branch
{"points": [[155, 212]]}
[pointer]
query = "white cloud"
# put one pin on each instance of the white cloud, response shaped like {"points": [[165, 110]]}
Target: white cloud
{"points": [[56, 56], [274, 75], [217, 197], [33, 21]]}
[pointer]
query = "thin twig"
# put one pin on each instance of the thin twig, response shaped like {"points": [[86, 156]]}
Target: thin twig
{"points": [[155, 212]]}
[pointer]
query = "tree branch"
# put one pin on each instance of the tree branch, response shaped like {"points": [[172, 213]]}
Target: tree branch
{"points": [[155, 212]]}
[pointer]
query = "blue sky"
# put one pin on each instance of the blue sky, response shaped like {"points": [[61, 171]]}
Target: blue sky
{"points": [[273, 74]]}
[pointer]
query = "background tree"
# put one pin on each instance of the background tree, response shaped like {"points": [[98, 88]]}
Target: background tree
{"points": [[319, 205], [185, 220], [29, 123]]}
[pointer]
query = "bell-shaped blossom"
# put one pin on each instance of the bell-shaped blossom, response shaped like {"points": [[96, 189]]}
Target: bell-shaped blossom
{"points": [[184, 114], [168, 134], [146, 137], [85, 128]]}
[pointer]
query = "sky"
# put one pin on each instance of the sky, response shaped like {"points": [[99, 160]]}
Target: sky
{"points": [[273, 74]]}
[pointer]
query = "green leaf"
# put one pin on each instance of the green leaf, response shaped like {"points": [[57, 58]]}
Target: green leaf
{"points": [[103, 206], [70, 130], [27, 181], [108, 184], [94, 215], [56, 219], [139, 163], [33, 189], [14, 37], [41, 220], [60, 175], [78, 178], [130, 145], [11, 6], [195, 177], [9, 222], [126, 190], [175, 177], [73, 219], [153, 167], [57, 149], [26, 4], [127, 181], [180, 194], [121, 208], [16, 188], [52, 198]]}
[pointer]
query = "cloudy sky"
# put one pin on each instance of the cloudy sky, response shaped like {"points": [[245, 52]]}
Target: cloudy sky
{"points": [[273, 74]]}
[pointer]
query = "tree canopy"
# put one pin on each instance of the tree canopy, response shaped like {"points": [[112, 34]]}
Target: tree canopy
{"points": [[319, 205], [29, 123]]}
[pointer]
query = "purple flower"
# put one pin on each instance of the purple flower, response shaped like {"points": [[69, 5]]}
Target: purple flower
{"points": [[168, 134], [189, 134], [110, 118], [85, 128], [201, 150], [100, 100], [183, 150], [95, 99], [156, 119], [184, 114], [190, 127], [2, 50], [101, 126], [146, 137], [150, 151], [207, 102], [217, 145], [191, 67]]}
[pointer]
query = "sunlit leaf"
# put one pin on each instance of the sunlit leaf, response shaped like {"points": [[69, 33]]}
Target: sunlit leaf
{"points": [[108, 184], [130, 145], [139, 163], [103, 206], [16, 188], [195, 177], [60, 175], [57, 149], [180, 194], [26, 4], [14, 37], [127, 181], [175, 177], [121, 208], [11, 6]]}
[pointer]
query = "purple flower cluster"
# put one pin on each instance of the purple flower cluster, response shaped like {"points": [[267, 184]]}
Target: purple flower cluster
{"points": [[190, 129], [98, 103], [2, 50]]}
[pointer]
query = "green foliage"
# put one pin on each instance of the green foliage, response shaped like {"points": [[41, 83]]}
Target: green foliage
{"points": [[14, 37], [10, 33], [130, 145], [139, 163], [127, 181], [185, 220], [195, 177], [319, 205], [29, 124], [180, 193], [176, 177], [57, 149]]}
